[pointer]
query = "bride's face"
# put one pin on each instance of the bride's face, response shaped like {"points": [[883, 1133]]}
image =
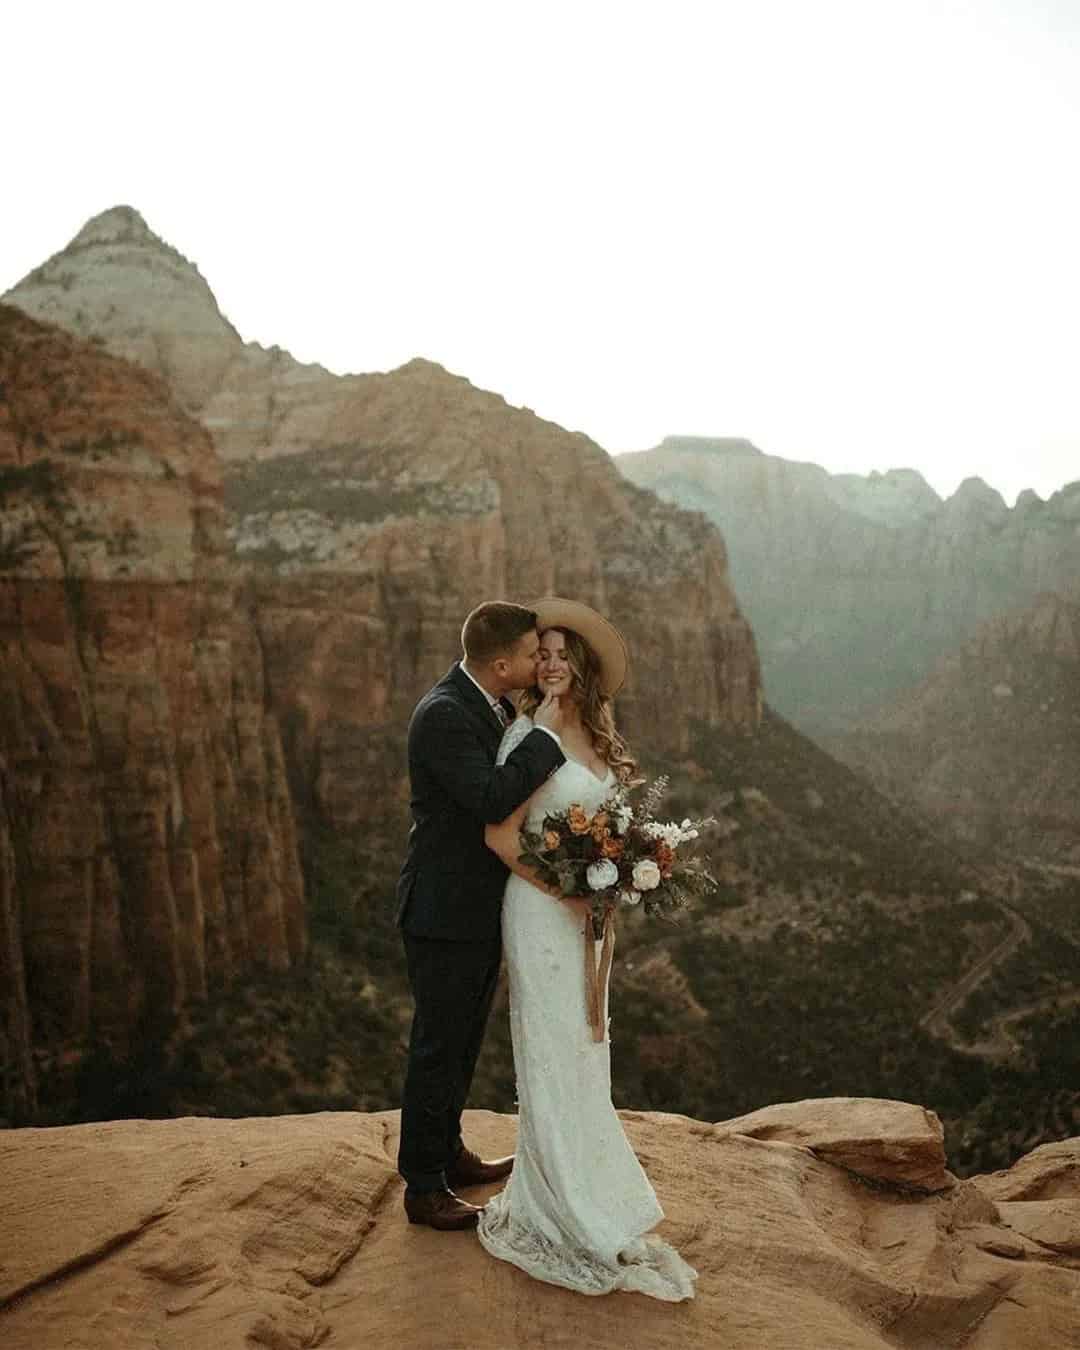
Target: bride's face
{"points": [[553, 673]]}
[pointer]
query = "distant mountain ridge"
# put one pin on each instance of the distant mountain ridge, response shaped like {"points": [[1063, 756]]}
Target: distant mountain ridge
{"points": [[857, 586], [889, 495]]}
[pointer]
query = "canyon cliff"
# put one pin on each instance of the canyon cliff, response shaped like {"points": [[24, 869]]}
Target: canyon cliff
{"points": [[858, 586], [373, 511], [215, 633], [147, 841], [989, 743], [825, 1223]]}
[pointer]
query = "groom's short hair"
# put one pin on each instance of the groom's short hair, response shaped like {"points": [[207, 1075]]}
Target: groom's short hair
{"points": [[495, 628]]}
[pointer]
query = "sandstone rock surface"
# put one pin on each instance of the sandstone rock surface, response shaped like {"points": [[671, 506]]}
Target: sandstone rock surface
{"points": [[288, 1233], [897, 1142]]}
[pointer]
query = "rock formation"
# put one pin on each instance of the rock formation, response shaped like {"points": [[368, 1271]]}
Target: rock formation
{"points": [[857, 586], [824, 1223], [114, 265], [147, 844], [376, 510], [118, 281], [989, 744], [194, 620]]}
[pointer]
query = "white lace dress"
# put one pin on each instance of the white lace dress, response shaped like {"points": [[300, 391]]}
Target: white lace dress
{"points": [[577, 1206]]}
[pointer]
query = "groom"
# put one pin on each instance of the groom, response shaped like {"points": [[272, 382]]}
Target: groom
{"points": [[450, 892]]}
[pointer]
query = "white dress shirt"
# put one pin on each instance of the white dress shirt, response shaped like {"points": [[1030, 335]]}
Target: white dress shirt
{"points": [[493, 701]]}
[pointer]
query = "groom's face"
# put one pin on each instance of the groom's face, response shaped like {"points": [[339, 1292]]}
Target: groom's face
{"points": [[520, 663]]}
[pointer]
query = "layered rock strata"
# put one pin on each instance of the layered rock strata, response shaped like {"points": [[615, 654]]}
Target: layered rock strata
{"points": [[376, 510], [147, 842], [368, 554], [831, 1222]]}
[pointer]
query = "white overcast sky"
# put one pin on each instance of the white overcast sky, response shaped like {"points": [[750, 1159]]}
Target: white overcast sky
{"points": [[847, 229]]}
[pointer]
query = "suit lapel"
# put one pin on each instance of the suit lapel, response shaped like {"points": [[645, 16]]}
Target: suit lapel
{"points": [[475, 701]]}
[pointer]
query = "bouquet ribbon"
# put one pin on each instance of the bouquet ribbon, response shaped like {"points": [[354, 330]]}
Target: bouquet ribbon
{"points": [[597, 973]]}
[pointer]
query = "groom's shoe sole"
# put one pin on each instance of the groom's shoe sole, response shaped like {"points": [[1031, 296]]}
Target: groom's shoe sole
{"points": [[441, 1209], [469, 1170]]}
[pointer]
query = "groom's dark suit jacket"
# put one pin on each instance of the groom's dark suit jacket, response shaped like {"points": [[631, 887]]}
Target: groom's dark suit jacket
{"points": [[451, 883]]}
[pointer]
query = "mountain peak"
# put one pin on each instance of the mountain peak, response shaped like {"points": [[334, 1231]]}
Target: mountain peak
{"points": [[420, 365], [117, 224], [896, 497], [718, 445], [902, 478], [976, 493], [1065, 503], [120, 282]]}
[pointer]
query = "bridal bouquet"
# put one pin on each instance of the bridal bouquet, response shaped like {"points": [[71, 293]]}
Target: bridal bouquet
{"points": [[620, 855]]}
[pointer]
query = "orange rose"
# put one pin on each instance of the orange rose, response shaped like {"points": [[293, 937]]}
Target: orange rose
{"points": [[551, 840], [578, 821], [611, 848], [665, 857]]}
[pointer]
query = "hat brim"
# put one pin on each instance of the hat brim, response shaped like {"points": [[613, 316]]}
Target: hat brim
{"points": [[603, 637]]}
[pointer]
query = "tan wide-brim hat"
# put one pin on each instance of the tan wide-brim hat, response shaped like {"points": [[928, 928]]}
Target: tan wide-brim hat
{"points": [[603, 637]]}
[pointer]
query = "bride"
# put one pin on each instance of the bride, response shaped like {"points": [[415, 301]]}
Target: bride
{"points": [[578, 1205]]}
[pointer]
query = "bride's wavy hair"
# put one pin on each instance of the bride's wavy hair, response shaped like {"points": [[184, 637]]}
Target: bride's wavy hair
{"points": [[596, 707]]}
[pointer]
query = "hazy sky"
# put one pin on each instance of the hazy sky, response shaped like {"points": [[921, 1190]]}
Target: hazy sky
{"points": [[848, 229]]}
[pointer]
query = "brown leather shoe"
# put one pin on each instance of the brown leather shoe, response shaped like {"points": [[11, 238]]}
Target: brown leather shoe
{"points": [[469, 1170], [441, 1209]]}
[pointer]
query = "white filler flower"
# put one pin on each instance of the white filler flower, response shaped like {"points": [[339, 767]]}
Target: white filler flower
{"points": [[673, 835], [630, 897], [646, 875], [603, 873]]}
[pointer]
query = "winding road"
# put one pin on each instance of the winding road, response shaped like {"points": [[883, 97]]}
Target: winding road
{"points": [[998, 1040], [936, 1021], [1000, 1043]]}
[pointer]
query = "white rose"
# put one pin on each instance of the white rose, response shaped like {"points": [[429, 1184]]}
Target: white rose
{"points": [[630, 897], [601, 874], [646, 875]]}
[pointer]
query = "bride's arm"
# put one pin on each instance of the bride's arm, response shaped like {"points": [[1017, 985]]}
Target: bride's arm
{"points": [[505, 840]]}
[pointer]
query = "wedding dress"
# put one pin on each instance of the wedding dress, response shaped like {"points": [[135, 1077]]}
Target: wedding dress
{"points": [[578, 1205]]}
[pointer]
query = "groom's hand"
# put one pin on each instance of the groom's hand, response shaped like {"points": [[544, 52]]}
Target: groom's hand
{"points": [[550, 714]]}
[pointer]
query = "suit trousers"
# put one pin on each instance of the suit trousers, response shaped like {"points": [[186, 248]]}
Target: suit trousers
{"points": [[453, 984]]}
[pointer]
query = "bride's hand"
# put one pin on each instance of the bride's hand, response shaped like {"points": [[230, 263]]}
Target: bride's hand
{"points": [[549, 714], [581, 905]]}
